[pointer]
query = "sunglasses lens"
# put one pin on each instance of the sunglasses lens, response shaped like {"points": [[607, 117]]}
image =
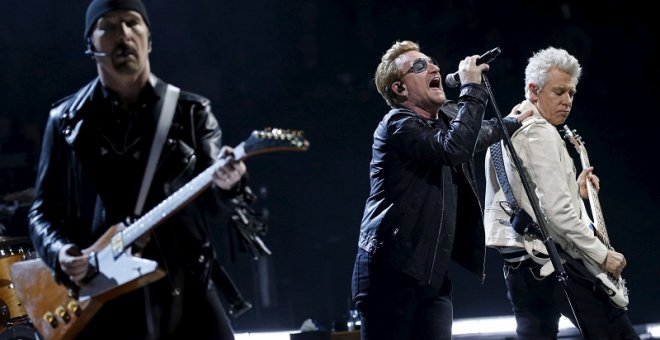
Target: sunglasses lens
{"points": [[419, 65]]}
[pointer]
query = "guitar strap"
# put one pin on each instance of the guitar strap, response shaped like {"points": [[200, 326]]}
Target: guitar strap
{"points": [[498, 164], [167, 106], [520, 220]]}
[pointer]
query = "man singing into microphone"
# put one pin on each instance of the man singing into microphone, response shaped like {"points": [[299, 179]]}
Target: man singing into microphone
{"points": [[423, 208], [95, 152]]}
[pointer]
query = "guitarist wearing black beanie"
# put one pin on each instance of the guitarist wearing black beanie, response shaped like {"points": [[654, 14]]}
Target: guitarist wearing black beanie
{"points": [[94, 179]]}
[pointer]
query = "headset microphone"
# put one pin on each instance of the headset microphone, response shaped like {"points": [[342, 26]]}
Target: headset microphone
{"points": [[94, 53], [90, 50]]}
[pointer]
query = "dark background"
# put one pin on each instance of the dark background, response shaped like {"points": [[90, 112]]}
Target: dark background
{"points": [[308, 65]]}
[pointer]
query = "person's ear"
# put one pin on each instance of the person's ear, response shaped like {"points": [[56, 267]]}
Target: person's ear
{"points": [[533, 89]]}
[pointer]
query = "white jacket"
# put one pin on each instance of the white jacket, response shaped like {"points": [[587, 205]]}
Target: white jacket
{"points": [[551, 174]]}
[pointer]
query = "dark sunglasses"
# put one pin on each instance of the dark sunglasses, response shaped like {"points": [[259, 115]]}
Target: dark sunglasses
{"points": [[420, 65]]}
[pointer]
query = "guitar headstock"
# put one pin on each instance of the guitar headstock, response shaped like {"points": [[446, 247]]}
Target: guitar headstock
{"points": [[573, 137], [274, 139]]}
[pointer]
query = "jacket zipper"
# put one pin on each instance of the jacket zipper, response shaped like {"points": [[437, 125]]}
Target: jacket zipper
{"points": [[468, 175], [437, 240]]}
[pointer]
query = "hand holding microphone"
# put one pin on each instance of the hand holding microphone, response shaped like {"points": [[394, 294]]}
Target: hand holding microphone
{"points": [[454, 80]]}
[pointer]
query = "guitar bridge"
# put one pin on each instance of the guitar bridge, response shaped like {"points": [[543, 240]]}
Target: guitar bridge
{"points": [[93, 267]]}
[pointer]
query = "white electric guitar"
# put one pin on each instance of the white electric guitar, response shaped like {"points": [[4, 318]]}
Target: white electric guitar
{"points": [[61, 312], [616, 286]]}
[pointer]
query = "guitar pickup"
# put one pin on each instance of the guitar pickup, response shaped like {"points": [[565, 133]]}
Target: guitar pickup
{"points": [[117, 244]]}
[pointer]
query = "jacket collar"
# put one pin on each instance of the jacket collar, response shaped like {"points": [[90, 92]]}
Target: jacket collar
{"points": [[83, 101], [85, 96], [528, 105]]}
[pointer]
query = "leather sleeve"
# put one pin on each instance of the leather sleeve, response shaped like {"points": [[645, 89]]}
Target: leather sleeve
{"points": [[207, 141], [491, 131], [453, 145], [47, 206]]}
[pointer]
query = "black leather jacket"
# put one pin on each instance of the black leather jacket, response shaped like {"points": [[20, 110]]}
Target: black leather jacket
{"points": [[66, 205], [424, 196]]}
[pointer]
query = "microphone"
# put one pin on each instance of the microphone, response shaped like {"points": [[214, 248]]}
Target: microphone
{"points": [[453, 80], [95, 53], [92, 51]]}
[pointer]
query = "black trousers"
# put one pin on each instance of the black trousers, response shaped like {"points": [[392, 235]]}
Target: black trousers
{"points": [[538, 302], [394, 306], [199, 314]]}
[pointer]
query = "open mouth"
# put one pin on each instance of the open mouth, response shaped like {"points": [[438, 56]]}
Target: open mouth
{"points": [[435, 83]]}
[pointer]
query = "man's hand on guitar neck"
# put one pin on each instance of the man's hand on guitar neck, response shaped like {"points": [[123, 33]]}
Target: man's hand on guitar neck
{"points": [[228, 176], [582, 182], [614, 263], [73, 262]]}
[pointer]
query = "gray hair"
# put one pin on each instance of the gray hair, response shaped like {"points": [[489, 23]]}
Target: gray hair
{"points": [[543, 61]]}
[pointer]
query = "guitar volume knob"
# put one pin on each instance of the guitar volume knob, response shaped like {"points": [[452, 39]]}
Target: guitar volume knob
{"points": [[74, 307], [61, 312], [50, 319]]}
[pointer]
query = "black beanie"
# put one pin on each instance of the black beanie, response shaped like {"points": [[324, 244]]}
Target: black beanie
{"points": [[98, 8]]}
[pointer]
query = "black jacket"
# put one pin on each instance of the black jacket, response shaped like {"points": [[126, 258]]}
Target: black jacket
{"points": [[424, 205], [67, 206]]}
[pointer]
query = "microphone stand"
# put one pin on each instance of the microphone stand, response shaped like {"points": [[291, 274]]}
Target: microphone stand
{"points": [[562, 277]]}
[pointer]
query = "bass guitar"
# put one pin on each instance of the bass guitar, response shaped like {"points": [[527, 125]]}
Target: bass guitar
{"points": [[616, 286]]}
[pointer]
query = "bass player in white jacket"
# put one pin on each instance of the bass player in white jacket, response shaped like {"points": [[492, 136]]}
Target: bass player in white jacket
{"points": [[537, 297]]}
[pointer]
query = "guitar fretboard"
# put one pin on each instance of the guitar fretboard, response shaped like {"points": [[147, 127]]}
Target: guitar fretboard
{"points": [[594, 204], [600, 230], [176, 201]]}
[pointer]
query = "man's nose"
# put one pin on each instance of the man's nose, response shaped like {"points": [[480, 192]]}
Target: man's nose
{"points": [[124, 30]]}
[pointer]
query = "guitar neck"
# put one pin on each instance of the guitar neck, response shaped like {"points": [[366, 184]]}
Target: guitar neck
{"points": [[176, 201], [594, 203]]}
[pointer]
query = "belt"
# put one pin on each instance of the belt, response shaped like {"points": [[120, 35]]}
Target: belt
{"points": [[529, 263]]}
